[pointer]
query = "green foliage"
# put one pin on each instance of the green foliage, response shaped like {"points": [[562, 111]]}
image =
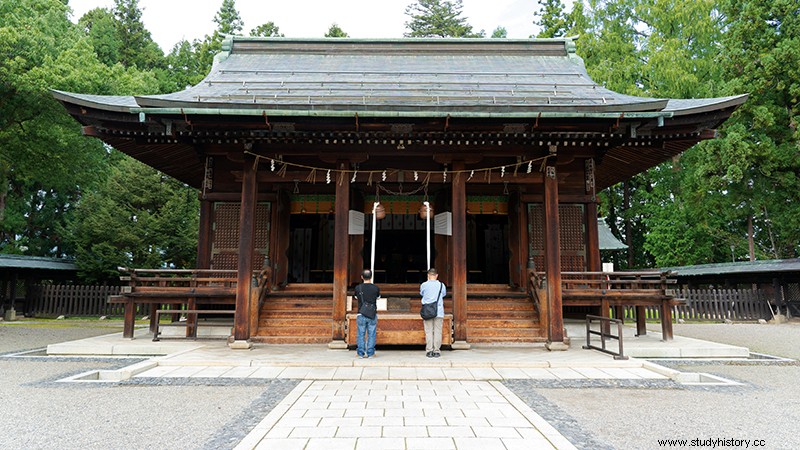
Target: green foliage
{"points": [[228, 20], [268, 29], [101, 27], [438, 18], [335, 32], [552, 19], [137, 46], [137, 217], [500, 33]]}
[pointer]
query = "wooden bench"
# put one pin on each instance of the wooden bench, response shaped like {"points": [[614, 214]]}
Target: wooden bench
{"points": [[621, 289], [400, 329], [182, 287], [191, 328]]}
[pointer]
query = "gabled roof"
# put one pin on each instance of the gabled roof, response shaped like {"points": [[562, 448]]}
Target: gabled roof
{"points": [[306, 97], [400, 75], [35, 262], [607, 239], [391, 77], [739, 268]]}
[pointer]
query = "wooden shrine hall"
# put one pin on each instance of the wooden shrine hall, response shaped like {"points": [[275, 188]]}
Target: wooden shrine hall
{"points": [[293, 144]]}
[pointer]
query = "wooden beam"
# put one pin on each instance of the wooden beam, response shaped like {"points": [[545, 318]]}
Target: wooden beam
{"points": [[247, 228], [204, 237], [552, 254], [341, 250], [459, 249]]}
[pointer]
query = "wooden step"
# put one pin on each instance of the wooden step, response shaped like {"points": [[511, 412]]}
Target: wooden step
{"points": [[295, 331], [500, 306], [506, 339], [501, 323], [513, 314], [292, 339], [501, 332], [295, 322], [291, 314]]}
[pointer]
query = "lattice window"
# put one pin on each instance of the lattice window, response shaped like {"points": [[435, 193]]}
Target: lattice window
{"points": [[572, 227], [225, 244]]}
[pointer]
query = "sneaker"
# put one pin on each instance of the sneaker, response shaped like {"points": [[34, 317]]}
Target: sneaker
{"points": [[362, 356], [371, 356], [429, 354], [436, 354]]}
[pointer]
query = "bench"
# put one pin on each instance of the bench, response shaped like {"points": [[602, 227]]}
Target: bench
{"points": [[188, 288], [399, 329], [191, 328], [621, 289]]}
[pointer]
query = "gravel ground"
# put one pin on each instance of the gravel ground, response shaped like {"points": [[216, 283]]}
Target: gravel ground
{"points": [[216, 414], [766, 406], [45, 414]]}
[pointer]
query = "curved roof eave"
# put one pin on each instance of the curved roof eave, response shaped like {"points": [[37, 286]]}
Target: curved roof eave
{"points": [[118, 103], [682, 107]]}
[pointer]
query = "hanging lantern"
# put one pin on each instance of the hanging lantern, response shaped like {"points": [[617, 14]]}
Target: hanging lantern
{"points": [[380, 211], [425, 211]]}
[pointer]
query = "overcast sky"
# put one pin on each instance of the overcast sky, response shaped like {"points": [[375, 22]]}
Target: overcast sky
{"points": [[169, 21]]}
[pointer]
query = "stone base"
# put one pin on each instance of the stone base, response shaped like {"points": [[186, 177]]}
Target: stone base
{"points": [[10, 315], [461, 345], [556, 346], [240, 345], [337, 345]]}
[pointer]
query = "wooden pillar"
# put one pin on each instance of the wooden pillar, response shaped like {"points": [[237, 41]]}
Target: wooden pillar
{"points": [[518, 241], [204, 235], [247, 228], [341, 252], [279, 240], [552, 261], [459, 251]]}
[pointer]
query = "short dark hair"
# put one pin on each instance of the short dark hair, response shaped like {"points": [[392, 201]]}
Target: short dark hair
{"points": [[432, 271], [366, 274]]}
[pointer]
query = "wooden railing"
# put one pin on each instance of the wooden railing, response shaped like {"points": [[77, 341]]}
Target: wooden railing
{"points": [[639, 290], [183, 289]]}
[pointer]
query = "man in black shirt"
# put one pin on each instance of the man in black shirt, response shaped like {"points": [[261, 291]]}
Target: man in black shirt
{"points": [[367, 320]]}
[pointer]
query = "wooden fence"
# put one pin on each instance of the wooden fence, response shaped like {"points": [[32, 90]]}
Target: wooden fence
{"points": [[716, 305], [73, 300]]}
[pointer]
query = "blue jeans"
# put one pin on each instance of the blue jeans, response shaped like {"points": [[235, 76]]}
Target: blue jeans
{"points": [[366, 332]]}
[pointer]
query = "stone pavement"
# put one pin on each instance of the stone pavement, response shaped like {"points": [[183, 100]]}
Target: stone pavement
{"points": [[382, 414], [399, 399]]}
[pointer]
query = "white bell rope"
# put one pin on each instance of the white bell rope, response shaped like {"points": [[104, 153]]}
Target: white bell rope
{"points": [[374, 225], [428, 232]]}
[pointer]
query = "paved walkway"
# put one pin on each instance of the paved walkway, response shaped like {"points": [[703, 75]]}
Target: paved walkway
{"points": [[382, 414], [400, 399]]}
